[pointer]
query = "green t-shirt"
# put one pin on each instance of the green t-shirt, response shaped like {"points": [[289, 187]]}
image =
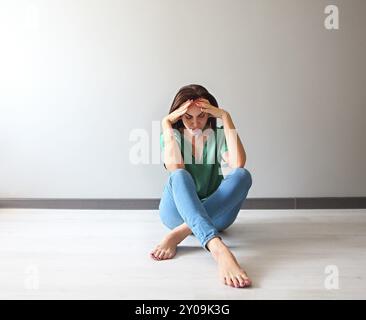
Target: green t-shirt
{"points": [[206, 172]]}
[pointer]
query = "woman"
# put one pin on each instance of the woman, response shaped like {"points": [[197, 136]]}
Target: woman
{"points": [[197, 198]]}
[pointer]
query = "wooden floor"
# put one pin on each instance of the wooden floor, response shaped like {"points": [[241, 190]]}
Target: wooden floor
{"points": [[70, 254]]}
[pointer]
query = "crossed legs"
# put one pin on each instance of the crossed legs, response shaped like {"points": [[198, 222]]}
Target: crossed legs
{"points": [[182, 212]]}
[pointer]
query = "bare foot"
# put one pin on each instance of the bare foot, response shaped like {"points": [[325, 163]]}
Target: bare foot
{"points": [[230, 271], [167, 248]]}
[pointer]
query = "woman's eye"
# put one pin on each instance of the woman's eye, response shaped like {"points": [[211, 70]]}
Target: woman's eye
{"points": [[187, 117], [202, 115]]}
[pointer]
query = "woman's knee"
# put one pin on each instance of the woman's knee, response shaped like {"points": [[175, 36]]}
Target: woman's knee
{"points": [[244, 175], [179, 171]]}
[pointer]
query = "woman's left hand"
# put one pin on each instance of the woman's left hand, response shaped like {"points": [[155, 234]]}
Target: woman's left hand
{"points": [[205, 106]]}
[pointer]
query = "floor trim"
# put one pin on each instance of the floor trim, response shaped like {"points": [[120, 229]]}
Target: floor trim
{"points": [[153, 204]]}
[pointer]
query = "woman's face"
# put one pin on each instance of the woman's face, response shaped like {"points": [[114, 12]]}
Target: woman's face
{"points": [[194, 118]]}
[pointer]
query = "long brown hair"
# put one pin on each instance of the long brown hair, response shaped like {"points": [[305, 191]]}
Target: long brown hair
{"points": [[193, 91]]}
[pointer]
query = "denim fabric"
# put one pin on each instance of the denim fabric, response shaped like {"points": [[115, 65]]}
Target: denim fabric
{"points": [[207, 217]]}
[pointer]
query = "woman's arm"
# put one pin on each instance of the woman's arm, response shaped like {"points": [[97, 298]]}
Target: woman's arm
{"points": [[172, 155], [235, 156]]}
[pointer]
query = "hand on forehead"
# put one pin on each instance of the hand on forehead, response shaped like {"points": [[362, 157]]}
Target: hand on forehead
{"points": [[194, 110], [194, 103], [201, 100]]}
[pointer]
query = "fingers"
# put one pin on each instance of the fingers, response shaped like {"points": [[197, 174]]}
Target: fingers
{"points": [[202, 101], [202, 105], [182, 112], [187, 103], [184, 107]]}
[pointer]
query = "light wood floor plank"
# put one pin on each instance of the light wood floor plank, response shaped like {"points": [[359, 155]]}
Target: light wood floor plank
{"points": [[94, 254]]}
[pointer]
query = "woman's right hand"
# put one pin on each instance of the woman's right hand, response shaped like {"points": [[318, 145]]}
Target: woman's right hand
{"points": [[177, 114]]}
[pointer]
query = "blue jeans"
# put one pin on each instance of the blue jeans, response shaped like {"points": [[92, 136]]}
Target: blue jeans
{"points": [[206, 218]]}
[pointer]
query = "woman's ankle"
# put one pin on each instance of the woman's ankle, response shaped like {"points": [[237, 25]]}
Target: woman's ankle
{"points": [[216, 245], [179, 234]]}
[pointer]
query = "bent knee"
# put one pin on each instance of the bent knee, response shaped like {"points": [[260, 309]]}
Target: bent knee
{"points": [[179, 172], [245, 176]]}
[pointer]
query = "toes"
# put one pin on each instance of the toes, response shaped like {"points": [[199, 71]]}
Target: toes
{"points": [[161, 254], [153, 255], [229, 282], [247, 281], [165, 255], [241, 281], [235, 281], [226, 281], [157, 254]]}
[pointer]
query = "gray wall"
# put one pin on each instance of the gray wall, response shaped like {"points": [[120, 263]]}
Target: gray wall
{"points": [[78, 76]]}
